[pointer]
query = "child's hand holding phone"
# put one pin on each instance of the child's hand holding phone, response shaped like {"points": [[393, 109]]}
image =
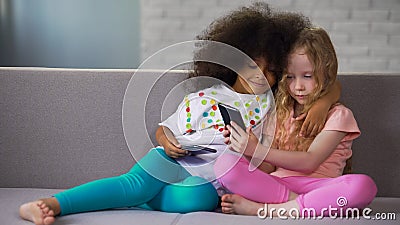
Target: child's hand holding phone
{"points": [[239, 137], [229, 114]]}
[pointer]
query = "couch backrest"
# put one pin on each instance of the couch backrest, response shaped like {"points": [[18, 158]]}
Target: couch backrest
{"points": [[375, 102], [63, 127]]}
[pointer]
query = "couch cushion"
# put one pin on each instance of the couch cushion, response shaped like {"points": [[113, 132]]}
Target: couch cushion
{"points": [[12, 198]]}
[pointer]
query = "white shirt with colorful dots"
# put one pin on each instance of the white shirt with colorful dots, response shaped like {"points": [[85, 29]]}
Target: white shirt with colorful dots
{"points": [[198, 121]]}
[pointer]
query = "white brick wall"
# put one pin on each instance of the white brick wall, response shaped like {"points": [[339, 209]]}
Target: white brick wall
{"points": [[366, 33]]}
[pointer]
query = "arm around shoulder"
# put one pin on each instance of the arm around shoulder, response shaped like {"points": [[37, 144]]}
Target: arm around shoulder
{"points": [[316, 117]]}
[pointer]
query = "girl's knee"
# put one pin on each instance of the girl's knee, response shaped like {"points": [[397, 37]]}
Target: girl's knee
{"points": [[201, 195], [190, 195], [226, 163], [362, 187], [362, 182], [367, 184], [157, 165], [229, 169]]}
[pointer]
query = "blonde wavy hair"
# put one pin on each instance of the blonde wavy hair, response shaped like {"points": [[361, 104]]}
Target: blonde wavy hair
{"points": [[320, 51]]}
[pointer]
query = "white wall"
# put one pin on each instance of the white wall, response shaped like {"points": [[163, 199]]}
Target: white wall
{"points": [[366, 33]]}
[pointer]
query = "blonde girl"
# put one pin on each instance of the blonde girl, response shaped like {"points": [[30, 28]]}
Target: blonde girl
{"points": [[308, 177]]}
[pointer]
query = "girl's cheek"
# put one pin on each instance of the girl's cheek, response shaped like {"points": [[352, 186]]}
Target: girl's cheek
{"points": [[289, 85]]}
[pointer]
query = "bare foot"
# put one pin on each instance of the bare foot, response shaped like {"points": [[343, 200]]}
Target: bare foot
{"points": [[37, 212], [236, 204]]}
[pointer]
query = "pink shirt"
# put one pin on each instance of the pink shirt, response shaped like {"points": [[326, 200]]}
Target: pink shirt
{"points": [[341, 119]]}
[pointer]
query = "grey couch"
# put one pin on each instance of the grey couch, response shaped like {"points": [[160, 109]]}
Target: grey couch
{"points": [[63, 127]]}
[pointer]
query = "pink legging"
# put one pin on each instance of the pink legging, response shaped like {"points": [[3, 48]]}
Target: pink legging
{"points": [[314, 193]]}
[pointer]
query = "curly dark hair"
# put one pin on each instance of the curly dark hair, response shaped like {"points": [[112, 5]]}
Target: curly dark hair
{"points": [[257, 31]]}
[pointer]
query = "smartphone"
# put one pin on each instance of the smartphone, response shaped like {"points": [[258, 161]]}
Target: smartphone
{"points": [[198, 149], [231, 114]]}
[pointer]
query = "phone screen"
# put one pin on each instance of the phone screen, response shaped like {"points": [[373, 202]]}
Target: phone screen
{"points": [[231, 114]]}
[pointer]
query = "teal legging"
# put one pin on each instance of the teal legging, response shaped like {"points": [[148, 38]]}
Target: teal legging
{"points": [[170, 189]]}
